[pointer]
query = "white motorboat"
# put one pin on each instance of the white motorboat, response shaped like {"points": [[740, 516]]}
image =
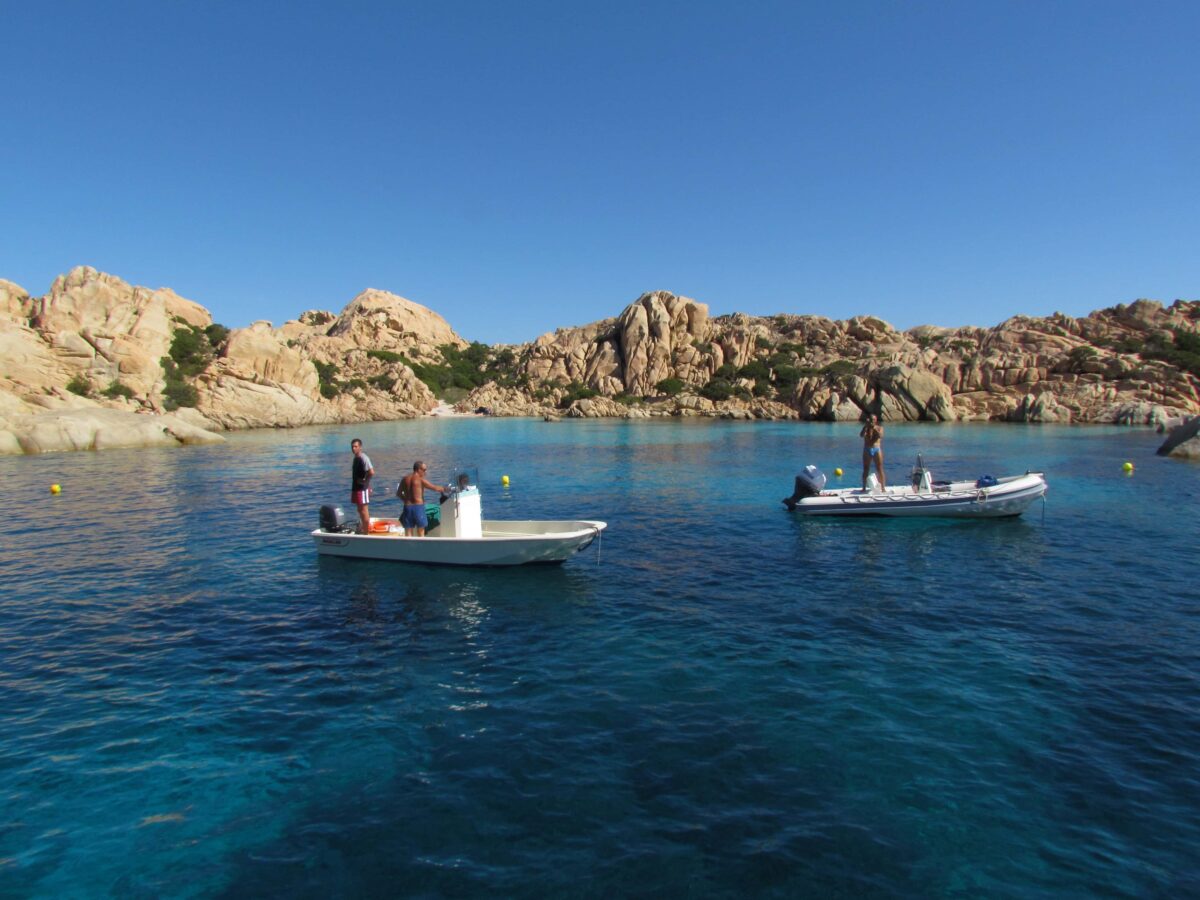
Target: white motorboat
{"points": [[458, 535], [983, 498]]}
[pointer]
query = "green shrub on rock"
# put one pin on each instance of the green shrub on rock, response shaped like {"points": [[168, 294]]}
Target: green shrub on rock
{"points": [[839, 367], [386, 356], [191, 350], [575, 391], [1181, 351], [116, 389], [80, 385], [786, 378], [384, 383], [718, 389], [180, 393], [755, 369]]}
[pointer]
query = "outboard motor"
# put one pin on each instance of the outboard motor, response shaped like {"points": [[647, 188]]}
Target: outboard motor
{"points": [[333, 518], [809, 483]]}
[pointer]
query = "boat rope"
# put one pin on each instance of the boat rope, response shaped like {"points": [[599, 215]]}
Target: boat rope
{"points": [[1043, 509], [599, 541]]}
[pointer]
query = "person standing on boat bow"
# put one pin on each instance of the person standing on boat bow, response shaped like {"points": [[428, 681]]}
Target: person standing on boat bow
{"points": [[412, 492], [361, 474], [872, 435]]}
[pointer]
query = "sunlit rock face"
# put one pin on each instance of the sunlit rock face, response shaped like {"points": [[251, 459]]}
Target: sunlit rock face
{"points": [[95, 351], [378, 320], [95, 342], [90, 327], [1025, 369]]}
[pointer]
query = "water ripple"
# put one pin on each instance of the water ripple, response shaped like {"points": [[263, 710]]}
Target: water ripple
{"points": [[733, 702]]}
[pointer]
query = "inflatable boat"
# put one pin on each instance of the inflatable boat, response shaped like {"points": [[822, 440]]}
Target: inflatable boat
{"points": [[984, 498]]}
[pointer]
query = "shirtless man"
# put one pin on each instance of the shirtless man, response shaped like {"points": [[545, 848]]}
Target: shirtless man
{"points": [[872, 435], [412, 492]]}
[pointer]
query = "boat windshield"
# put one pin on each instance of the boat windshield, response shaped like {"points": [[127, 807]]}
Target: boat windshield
{"points": [[463, 477]]}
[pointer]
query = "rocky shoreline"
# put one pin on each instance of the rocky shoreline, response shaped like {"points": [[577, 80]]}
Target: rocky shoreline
{"points": [[98, 363]]}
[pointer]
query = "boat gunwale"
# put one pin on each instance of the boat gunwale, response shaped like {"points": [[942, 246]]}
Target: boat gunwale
{"points": [[852, 501], [594, 528]]}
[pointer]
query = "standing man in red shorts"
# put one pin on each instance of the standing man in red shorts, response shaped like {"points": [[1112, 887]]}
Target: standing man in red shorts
{"points": [[360, 485]]}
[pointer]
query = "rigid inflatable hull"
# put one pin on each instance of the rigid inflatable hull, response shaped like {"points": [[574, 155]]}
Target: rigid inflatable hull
{"points": [[1011, 496]]}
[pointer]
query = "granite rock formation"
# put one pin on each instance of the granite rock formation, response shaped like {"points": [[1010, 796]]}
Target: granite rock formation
{"points": [[98, 362], [1053, 369], [83, 366], [1183, 440]]}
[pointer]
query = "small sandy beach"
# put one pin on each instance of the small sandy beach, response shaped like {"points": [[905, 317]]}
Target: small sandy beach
{"points": [[445, 410]]}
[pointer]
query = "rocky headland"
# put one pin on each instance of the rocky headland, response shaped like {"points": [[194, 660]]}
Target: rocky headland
{"points": [[97, 363]]}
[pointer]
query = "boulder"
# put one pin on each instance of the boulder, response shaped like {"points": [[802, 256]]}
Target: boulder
{"points": [[503, 401], [654, 338], [1183, 441], [1040, 408], [379, 320], [841, 409], [257, 354], [917, 394], [98, 324], [1139, 413], [596, 408], [98, 428], [234, 401], [15, 305]]}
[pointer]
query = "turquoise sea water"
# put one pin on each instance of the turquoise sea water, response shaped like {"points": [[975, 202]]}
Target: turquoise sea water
{"points": [[721, 700]]}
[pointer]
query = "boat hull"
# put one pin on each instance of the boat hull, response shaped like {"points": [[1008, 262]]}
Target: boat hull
{"points": [[1010, 496], [512, 543]]}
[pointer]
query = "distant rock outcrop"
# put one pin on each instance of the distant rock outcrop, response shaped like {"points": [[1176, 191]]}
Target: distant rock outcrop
{"points": [[91, 327], [503, 401], [83, 366], [1106, 367], [97, 362]]}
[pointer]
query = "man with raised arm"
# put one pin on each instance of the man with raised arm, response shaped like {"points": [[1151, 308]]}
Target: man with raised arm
{"points": [[412, 492]]}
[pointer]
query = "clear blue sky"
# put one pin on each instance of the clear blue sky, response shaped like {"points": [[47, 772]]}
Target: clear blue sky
{"points": [[526, 165]]}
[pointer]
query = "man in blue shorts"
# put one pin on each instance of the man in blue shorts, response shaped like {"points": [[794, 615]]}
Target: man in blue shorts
{"points": [[412, 492], [361, 474]]}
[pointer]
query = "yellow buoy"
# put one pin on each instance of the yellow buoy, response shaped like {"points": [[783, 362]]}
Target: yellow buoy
{"points": [[1128, 467], [504, 480], [56, 488], [838, 472]]}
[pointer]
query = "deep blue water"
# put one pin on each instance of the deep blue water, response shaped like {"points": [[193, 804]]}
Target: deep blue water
{"points": [[723, 700]]}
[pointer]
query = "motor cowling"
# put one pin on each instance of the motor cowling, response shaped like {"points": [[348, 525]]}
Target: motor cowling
{"points": [[809, 483], [333, 518]]}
